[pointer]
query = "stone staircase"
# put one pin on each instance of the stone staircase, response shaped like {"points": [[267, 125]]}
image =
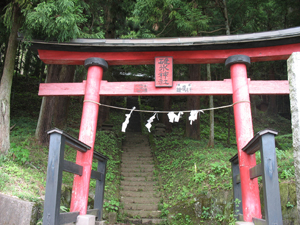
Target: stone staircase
{"points": [[139, 190]]}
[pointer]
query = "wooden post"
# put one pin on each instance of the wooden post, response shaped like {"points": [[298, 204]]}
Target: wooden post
{"points": [[244, 133], [87, 133], [54, 179], [236, 184]]}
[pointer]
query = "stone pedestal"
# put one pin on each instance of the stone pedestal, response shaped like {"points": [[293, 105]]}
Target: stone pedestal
{"points": [[86, 220], [293, 64], [243, 223], [17, 211]]}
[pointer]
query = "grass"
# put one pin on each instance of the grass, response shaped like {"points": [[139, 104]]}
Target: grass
{"points": [[185, 168], [23, 170]]}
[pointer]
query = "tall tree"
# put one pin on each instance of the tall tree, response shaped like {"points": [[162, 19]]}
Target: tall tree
{"points": [[6, 79], [211, 143], [193, 103], [54, 109], [60, 21]]}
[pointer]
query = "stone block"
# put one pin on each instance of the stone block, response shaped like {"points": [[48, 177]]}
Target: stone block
{"points": [[86, 220], [160, 125], [14, 211], [243, 223], [103, 222], [112, 217]]}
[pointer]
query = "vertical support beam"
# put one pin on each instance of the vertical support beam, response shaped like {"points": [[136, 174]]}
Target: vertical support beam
{"points": [[270, 180], [293, 64], [236, 183], [244, 132], [87, 133], [100, 185], [54, 179]]}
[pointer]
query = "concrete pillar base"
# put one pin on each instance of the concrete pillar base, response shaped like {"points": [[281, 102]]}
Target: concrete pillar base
{"points": [[86, 220], [243, 223]]}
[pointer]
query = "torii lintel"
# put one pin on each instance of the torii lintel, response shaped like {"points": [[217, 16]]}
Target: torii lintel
{"points": [[179, 88]]}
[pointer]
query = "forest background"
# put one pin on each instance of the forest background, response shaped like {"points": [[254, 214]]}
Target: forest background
{"points": [[21, 70], [64, 20]]}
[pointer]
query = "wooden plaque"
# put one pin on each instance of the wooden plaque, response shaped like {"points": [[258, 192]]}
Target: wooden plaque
{"points": [[164, 71]]}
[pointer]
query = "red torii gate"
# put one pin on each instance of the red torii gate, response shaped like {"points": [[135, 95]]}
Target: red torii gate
{"points": [[236, 50]]}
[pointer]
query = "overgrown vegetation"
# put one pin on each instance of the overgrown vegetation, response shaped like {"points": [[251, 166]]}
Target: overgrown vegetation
{"points": [[23, 170], [186, 169]]}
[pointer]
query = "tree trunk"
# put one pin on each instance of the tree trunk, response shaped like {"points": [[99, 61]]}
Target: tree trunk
{"points": [[103, 114], [226, 18], [54, 110], [165, 118], [193, 103], [47, 107], [61, 103], [228, 127], [6, 82], [272, 107], [211, 114]]}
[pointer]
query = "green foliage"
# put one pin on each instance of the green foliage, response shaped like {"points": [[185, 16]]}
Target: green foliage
{"points": [[237, 203], [289, 205], [23, 5], [164, 209], [287, 173], [205, 213], [20, 153], [55, 20], [200, 177], [159, 16], [64, 209], [180, 218], [4, 178], [285, 161], [284, 142], [112, 205], [219, 168]]}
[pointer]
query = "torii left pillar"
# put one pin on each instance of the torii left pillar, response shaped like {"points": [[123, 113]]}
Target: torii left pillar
{"points": [[87, 133]]}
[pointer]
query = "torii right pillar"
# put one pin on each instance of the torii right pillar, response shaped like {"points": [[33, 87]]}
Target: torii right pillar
{"points": [[293, 64], [244, 133]]}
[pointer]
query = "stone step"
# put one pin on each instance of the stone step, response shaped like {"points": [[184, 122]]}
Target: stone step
{"points": [[137, 155], [140, 200], [145, 207], [136, 161], [143, 214], [136, 138], [136, 164], [137, 151], [148, 194], [136, 148], [142, 166], [139, 188], [136, 174], [151, 178], [137, 158], [136, 170], [146, 221], [138, 183]]}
